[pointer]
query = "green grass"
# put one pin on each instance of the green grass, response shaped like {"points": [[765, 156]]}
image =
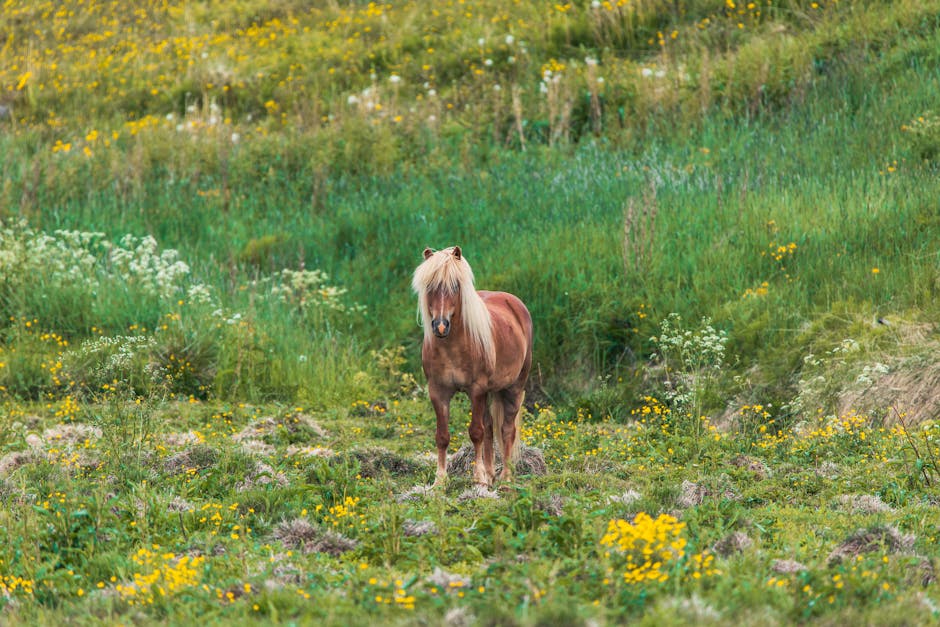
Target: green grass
{"points": [[88, 511], [208, 429]]}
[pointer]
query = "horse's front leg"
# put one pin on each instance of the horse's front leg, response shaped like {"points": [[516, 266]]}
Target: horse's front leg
{"points": [[440, 400], [477, 433]]}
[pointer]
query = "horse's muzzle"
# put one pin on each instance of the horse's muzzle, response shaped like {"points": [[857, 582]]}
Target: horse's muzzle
{"points": [[441, 327]]}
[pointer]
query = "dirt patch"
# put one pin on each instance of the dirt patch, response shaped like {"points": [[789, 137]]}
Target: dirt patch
{"points": [[912, 387]]}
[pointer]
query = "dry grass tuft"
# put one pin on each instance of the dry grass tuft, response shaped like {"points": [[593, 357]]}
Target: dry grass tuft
{"points": [[531, 461], [447, 581], [180, 505], [737, 542], [257, 447], [415, 494], [878, 538], [759, 469], [691, 494], [416, 529], [828, 470], [310, 451], [298, 424], [553, 506], [176, 440], [627, 498], [196, 457], [71, 434], [787, 566], [461, 462], [477, 492], [11, 461], [299, 533], [375, 461], [863, 504], [262, 474]]}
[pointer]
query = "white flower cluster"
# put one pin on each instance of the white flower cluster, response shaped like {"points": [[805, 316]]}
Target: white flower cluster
{"points": [[85, 259], [120, 350], [140, 263], [63, 258], [308, 288], [704, 348], [692, 359]]}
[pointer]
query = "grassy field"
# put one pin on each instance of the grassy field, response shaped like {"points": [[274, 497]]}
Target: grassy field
{"points": [[721, 215]]}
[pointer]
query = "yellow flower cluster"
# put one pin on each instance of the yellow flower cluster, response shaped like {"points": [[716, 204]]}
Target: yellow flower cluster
{"points": [[649, 545], [163, 574], [703, 566], [651, 407], [345, 510], [760, 290], [11, 585], [780, 252]]}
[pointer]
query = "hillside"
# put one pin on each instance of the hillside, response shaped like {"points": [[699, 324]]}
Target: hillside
{"points": [[722, 216]]}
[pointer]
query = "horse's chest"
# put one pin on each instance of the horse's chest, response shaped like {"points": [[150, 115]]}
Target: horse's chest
{"points": [[454, 377]]}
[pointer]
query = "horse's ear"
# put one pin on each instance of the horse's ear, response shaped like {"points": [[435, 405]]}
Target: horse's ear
{"points": [[428, 252], [457, 253]]}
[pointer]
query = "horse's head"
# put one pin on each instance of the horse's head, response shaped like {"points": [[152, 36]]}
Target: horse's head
{"points": [[443, 298], [447, 300]]}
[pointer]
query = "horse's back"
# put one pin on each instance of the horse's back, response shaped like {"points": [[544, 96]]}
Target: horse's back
{"points": [[511, 318]]}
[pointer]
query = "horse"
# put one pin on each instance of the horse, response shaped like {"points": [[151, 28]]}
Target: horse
{"points": [[479, 343]]}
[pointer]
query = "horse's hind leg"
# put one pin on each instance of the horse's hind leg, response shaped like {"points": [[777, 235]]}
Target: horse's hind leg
{"points": [[488, 462], [477, 432], [512, 405]]}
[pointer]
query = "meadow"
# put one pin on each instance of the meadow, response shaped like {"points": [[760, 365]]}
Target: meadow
{"points": [[722, 216]]}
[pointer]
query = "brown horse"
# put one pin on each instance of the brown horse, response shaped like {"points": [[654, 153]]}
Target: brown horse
{"points": [[479, 343]]}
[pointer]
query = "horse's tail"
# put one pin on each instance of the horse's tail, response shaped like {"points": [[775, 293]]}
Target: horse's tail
{"points": [[498, 413]]}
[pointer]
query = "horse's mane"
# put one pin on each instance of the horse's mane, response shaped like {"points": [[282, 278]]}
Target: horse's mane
{"points": [[443, 271]]}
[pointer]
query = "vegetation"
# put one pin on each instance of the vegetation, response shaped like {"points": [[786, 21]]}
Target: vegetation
{"points": [[722, 216]]}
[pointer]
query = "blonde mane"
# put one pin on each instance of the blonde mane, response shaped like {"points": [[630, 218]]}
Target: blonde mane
{"points": [[443, 271]]}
